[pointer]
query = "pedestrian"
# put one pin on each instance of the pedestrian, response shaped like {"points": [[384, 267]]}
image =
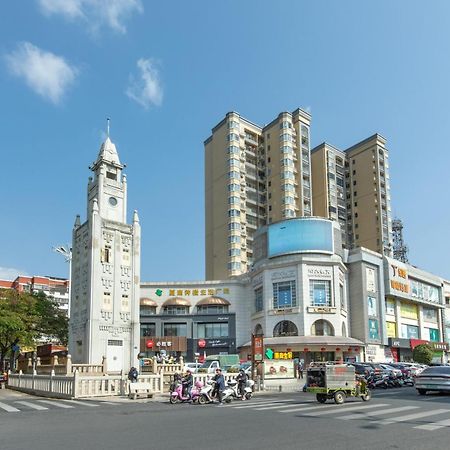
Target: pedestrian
{"points": [[300, 369], [242, 379], [219, 385], [133, 375]]}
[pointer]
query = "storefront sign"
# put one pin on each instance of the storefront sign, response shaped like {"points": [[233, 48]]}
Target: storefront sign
{"points": [[399, 343], [279, 369], [269, 353], [370, 279], [439, 346], [321, 309], [415, 342], [398, 279], [317, 271], [371, 350], [282, 355], [217, 343], [409, 311], [257, 348], [192, 292], [201, 343], [158, 343]]}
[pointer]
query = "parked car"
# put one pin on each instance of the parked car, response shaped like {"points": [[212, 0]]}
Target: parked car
{"points": [[397, 372], [192, 365], [362, 369], [436, 378]]}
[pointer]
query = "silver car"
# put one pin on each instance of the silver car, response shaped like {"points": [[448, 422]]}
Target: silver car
{"points": [[435, 378]]}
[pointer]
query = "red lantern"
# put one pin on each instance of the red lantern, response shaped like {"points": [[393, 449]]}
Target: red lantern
{"points": [[149, 344], [338, 349], [201, 343], [322, 349], [306, 349], [349, 349], [356, 349]]}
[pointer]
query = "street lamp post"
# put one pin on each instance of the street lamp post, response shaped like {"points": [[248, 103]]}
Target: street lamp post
{"points": [[66, 252]]}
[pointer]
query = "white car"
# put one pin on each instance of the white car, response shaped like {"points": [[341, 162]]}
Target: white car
{"points": [[192, 365]]}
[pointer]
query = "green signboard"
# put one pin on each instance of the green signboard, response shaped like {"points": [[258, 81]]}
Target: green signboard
{"points": [[269, 353]]}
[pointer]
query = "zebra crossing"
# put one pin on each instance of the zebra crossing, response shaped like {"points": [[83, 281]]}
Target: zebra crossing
{"points": [[16, 406], [381, 414]]}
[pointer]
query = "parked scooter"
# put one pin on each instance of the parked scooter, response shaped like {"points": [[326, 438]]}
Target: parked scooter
{"points": [[248, 391], [176, 394], [206, 393]]}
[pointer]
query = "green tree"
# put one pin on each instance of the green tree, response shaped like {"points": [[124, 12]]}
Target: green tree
{"points": [[26, 319], [423, 354]]}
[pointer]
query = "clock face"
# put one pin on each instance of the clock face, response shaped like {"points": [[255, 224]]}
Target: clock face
{"points": [[112, 201]]}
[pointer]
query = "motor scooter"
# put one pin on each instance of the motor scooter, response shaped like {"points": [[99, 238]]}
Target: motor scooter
{"points": [[206, 393], [176, 394], [248, 391]]}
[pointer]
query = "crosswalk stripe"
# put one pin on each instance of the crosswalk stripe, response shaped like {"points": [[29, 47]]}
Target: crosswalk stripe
{"points": [[331, 408], [376, 413], [8, 408], [254, 404], [435, 425], [55, 403], [32, 405], [351, 408], [280, 406], [109, 403], [76, 402], [413, 416]]}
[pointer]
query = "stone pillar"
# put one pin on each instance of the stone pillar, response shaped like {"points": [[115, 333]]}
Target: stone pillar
{"points": [[69, 364], [104, 365]]}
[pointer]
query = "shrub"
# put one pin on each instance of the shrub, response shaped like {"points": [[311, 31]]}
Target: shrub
{"points": [[423, 354]]}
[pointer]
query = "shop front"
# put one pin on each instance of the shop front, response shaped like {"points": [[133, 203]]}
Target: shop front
{"points": [[439, 349], [400, 349]]}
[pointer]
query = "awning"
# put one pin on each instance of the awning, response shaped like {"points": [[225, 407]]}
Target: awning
{"points": [[176, 301], [213, 301], [311, 340], [147, 302]]}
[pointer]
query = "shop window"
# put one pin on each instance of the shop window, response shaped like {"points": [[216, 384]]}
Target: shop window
{"points": [[410, 332], [175, 310], [148, 310], [175, 329], [285, 328], [212, 309], [148, 329], [322, 328], [212, 330]]}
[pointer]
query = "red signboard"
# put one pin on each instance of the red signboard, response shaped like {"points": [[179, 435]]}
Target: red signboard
{"points": [[149, 344], [415, 342], [257, 348]]}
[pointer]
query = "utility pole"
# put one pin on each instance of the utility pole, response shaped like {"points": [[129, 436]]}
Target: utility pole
{"points": [[66, 252]]}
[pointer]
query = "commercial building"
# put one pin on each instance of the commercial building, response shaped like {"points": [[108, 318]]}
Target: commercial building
{"points": [[253, 175], [56, 288], [352, 187]]}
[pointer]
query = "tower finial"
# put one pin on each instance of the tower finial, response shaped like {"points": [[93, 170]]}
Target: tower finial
{"points": [[107, 126]]}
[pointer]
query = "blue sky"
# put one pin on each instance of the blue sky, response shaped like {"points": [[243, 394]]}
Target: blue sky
{"points": [[167, 72]]}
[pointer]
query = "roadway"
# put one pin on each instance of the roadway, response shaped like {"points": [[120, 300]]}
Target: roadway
{"points": [[395, 418]]}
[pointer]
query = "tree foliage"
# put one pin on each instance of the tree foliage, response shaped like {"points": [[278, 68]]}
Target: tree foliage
{"points": [[26, 319], [423, 354]]}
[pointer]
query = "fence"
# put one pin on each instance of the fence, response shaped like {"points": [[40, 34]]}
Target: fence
{"points": [[79, 386]]}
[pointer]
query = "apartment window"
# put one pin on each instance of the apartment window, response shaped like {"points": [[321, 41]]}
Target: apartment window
{"points": [[106, 254], [356, 225], [175, 329], [234, 200], [289, 200], [234, 226], [355, 193], [234, 213], [284, 294], [270, 207], [234, 266], [234, 239], [233, 174], [234, 252], [320, 292], [354, 172], [270, 183], [233, 149], [107, 303], [354, 182], [212, 330], [355, 203], [234, 187], [356, 214], [259, 300], [233, 137], [268, 159], [268, 148], [353, 161], [357, 236]]}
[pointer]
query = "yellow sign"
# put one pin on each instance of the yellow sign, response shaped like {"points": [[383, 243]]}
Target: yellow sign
{"points": [[282, 355], [409, 311], [391, 328]]}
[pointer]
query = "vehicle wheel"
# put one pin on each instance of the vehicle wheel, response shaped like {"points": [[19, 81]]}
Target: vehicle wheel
{"points": [[202, 400], [248, 396], [339, 397], [422, 391], [321, 398], [367, 396], [228, 400], [173, 399]]}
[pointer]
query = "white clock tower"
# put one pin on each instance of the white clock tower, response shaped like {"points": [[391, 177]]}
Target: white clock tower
{"points": [[104, 320]]}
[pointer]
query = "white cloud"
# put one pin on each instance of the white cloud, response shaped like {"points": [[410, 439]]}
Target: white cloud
{"points": [[9, 273], [96, 13], [146, 89], [44, 72]]}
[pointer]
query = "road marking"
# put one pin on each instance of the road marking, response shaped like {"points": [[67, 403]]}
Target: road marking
{"points": [[434, 397], [55, 403], [377, 413], [8, 407], [76, 402], [351, 408], [435, 425], [109, 403], [255, 405], [323, 406], [280, 406], [32, 405], [413, 416]]}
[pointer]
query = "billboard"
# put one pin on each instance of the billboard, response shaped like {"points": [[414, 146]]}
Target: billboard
{"points": [[299, 236]]}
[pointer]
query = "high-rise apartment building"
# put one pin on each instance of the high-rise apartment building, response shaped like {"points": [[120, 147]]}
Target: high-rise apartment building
{"points": [[352, 187], [253, 175]]}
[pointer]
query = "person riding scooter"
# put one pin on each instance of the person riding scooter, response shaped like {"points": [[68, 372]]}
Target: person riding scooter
{"points": [[242, 379], [187, 382]]}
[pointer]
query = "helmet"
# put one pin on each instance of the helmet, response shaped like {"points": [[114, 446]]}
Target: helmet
{"points": [[198, 384], [241, 370]]}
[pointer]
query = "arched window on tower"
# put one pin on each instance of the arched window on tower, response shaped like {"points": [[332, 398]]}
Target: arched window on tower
{"points": [[285, 328], [259, 330]]}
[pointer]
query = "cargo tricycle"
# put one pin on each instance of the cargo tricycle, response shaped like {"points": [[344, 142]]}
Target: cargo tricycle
{"points": [[335, 381]]}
